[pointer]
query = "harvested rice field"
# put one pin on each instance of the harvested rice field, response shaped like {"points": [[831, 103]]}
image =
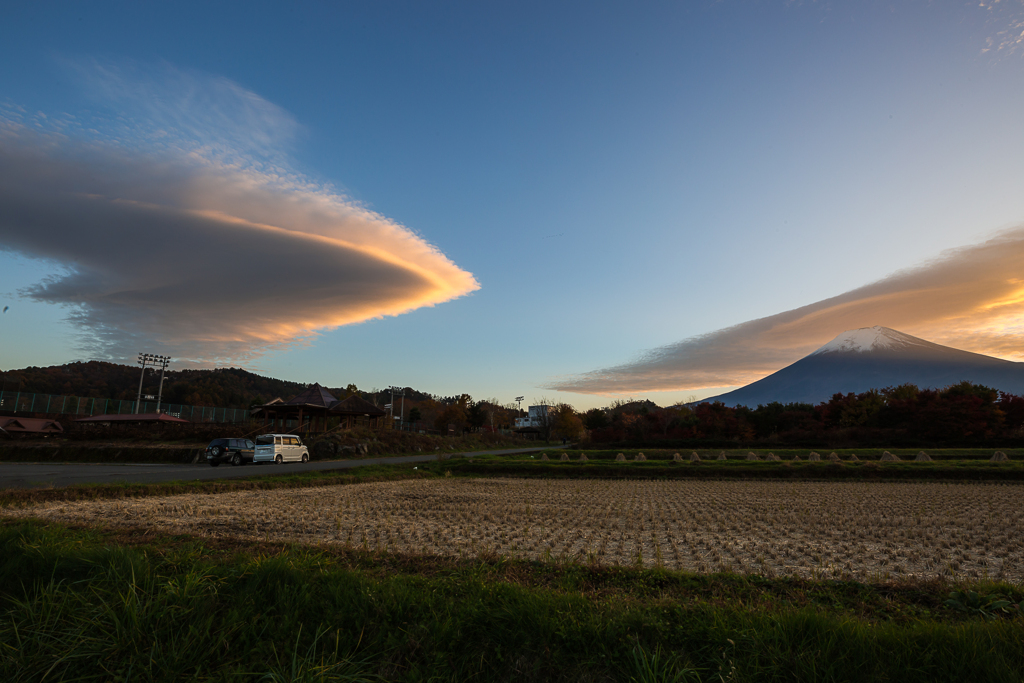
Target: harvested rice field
{"points": [[860, 530]]}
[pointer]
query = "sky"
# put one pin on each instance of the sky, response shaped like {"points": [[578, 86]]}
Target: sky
{"points": [[576, 202]]}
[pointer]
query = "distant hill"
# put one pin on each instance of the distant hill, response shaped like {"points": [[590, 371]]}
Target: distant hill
{"points": [[227, 387], [221, 387], [873, 358]]}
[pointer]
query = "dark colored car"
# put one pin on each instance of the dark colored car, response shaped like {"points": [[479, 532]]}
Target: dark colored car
{"points": [[234, 451]]}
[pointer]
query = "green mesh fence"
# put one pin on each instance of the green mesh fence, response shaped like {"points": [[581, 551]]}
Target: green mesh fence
{"points": [[53, 404]]}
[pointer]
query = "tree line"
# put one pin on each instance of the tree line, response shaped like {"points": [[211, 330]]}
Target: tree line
{"points": [[961, 414]]}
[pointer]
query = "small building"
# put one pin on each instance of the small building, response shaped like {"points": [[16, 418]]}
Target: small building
{"points": [[536, 416]]}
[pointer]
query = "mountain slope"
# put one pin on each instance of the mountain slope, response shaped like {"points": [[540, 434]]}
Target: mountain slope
{"points": [[874, 358]]}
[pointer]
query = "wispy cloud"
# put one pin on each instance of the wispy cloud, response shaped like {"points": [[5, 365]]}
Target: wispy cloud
{"points": [[970, 298], [163, 106], [1007, 19], [179, 228]]}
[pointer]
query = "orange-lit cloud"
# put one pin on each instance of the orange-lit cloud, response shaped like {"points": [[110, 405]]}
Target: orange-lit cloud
{"points": [[199, 258], [970, 298]]}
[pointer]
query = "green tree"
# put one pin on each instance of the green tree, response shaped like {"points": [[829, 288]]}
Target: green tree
{"points": [[596, 418], [476, 415]]}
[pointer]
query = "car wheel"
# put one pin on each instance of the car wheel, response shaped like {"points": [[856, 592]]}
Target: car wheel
{"points": [[214, 463], [278, 460], [236, 460], [215, 451], [305, 457]]}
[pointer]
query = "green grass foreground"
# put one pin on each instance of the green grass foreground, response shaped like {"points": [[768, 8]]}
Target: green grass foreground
{"points": [[92, 605]]}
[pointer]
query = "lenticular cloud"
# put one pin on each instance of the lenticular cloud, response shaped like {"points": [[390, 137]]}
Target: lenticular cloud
{"points": [[204, 259], [970, 298]]}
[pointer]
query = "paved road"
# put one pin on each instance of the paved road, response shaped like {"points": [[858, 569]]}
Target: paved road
{"points": [[41, 475]]}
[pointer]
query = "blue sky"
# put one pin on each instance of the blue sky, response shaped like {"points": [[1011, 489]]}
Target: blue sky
{"points": [[618, 180]]}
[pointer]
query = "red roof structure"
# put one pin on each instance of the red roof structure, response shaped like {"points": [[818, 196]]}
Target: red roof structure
{"points": [[141, 417], [30, 425]]}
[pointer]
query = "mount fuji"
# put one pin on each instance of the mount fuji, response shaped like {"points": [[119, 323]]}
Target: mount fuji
{"points": [[875, 358]]}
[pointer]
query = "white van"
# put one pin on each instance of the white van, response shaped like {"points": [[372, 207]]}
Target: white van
{"points": [[280, 448]]}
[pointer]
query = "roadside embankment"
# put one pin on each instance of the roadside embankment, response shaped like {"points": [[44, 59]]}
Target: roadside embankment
{"points": [[110, 453]]}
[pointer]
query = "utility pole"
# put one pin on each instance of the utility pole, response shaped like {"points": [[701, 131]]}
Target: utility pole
{"points": [[401, 416]]}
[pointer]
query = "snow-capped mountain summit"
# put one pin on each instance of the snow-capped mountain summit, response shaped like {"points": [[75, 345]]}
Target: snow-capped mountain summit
{"points": [[870, 339], [875, 358]]}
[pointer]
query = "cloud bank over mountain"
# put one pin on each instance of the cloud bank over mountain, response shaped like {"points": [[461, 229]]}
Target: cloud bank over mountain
{"points": [[184, 232], [970, 298]]}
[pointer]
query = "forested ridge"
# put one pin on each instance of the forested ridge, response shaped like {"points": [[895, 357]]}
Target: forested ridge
{"points": [[225, 387], [222, 387]]}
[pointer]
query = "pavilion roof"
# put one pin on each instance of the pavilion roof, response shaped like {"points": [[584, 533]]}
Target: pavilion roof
{"points": [[356, 405], [315, 396]]}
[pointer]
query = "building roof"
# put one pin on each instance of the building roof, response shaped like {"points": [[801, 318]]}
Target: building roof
{"points": [[30, 425], [356, 405], [318, 397], [315, 396], [142, 417]]}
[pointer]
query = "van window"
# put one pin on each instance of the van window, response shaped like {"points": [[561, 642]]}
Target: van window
{"points": [[292, 441], [264, 441], [278, 440]]}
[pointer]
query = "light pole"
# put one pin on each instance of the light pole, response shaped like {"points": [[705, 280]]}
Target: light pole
{"points": [[154, 360], [143, 359], [163, 361]]}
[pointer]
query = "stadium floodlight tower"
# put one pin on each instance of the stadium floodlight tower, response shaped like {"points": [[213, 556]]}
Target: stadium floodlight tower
{"points": [[164, 361], [154, 360], [519, 405]]}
